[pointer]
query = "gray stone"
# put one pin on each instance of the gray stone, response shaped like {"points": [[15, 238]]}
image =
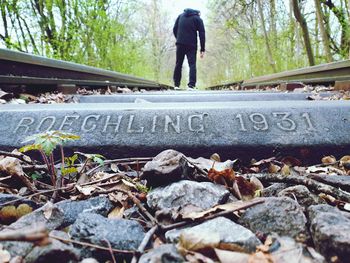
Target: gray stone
{"points": [[165, 168], [96, 229], [287, 250], [191, 128], [180, 195], [55, 252], [229, 232], [37, 217], [195, 97], [341, 181], [330, 230], [302, 194], [72, 209], [9, 197], [163, 254], [273, 190], [280, 215]]}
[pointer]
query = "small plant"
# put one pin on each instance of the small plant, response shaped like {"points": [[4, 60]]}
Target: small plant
{"points": [[46, 143]]}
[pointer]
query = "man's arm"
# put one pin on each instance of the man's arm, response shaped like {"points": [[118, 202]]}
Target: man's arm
{"points": [[201, 31], [176, 26]]}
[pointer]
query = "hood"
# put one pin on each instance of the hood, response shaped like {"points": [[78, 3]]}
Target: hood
{"points": [[191, 12]]}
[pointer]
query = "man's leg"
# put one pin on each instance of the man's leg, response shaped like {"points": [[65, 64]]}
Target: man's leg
{"points": [[180, 55], [192, 58]]}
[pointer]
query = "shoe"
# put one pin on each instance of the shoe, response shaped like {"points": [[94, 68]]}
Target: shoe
{"points": [[189, 87], [176, 88]]}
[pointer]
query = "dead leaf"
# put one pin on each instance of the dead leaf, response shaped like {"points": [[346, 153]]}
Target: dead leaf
{"points": [[116, 213], [260, 257], [263, 161], [225, 177], [194, 257], [229, 256], [345, 162], [257, 183], [215, 157], [47, 210], [86, 190], [291, 161], [273, 168], [11, 166], [199, 241], [285, 170], [114, 168], [328, 159]]}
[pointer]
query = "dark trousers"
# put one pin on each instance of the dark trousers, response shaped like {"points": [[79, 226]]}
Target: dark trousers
{"points": [[191, 54]]}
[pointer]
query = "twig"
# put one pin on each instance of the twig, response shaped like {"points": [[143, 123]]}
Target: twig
{"points": [[195, 166], [308, 182], [91, 245], [26, 181], [16, 155], [199, 220], [134, 199], [110, 250], [118, 161], [142, 246], [29, 235], [35, 194]]}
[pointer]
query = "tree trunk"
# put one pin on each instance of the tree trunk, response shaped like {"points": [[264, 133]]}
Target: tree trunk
{"points": [[273, 27], [300, 18], [324, 36], [344, 24], [268, 48]]}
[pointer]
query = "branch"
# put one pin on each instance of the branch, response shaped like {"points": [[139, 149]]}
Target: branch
{"points": [[313, 185]]}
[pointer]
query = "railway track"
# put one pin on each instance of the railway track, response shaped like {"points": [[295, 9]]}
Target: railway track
{"points": [[325, 74], [17, 68], [233, 123]]}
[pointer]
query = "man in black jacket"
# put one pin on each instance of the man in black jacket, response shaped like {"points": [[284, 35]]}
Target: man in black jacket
{"points": [[185, 30]]}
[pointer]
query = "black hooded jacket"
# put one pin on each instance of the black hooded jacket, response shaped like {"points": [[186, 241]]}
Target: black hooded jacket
{"points": [[186, 26]]}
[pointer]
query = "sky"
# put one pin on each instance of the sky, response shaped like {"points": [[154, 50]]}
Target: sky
{"points": [[176, 7]]}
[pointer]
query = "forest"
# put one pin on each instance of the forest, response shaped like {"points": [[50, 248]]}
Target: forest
{"points": [[245, 38]]}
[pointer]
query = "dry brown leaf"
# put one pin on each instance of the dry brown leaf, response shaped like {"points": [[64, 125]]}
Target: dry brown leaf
{"points": [[215, 157], [114, 167], [118, 197], [273, 168], [285, 170], [229, 256], [225, 177], [116, 213], [86, 190], [264, 161], [194, 257], [257, 183], [260, 257], [129, 184], [199, 241], [328, 159], [11, 166], [345, 162], [291, 161], [47, 210]]}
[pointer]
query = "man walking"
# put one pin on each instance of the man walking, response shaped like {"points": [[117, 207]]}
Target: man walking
{"points": [[185, 31]]}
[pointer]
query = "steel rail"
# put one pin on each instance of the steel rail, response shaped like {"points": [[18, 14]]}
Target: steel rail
{"points": [[321, 74], [17, 64]]}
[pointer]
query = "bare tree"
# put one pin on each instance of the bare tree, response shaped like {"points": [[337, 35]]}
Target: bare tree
{"points": [[307, 42], [324, 35], [267, 43]]}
